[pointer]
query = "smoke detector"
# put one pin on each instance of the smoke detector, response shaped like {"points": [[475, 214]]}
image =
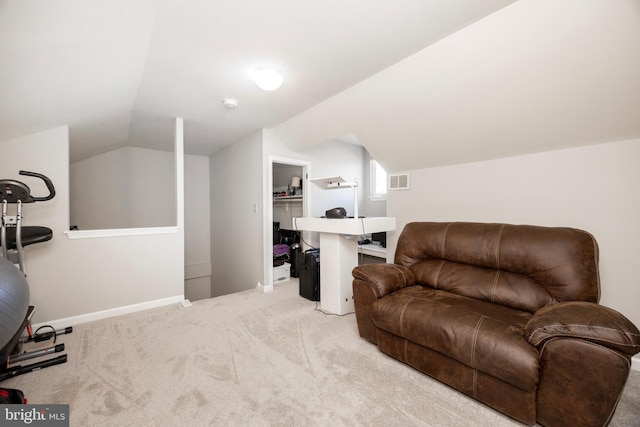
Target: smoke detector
{"points": [[230, 103]]}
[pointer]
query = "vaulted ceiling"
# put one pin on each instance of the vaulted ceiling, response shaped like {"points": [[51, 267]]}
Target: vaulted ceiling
{"points": [[118, 71], [534, 76], [418, 82]]}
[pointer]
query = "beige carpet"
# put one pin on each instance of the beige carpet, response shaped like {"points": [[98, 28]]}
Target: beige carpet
{"points": [[251, 359]]}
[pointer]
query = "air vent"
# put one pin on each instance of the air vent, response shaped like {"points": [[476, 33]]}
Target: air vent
{"points": [[399, 181]]}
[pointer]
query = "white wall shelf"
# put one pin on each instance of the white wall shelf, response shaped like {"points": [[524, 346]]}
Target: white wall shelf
{"points": [[288, 199]]}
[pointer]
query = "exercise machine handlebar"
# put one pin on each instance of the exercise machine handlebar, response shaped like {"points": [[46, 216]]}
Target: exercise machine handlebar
{"points": [[47, 182]]}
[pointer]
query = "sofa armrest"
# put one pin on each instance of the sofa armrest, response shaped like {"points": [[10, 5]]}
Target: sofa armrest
{"points": [[384, 279], [372, 282], [584, 320]]}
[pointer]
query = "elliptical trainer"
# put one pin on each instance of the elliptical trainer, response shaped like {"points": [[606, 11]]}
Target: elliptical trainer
{"points": [[16, 312]]}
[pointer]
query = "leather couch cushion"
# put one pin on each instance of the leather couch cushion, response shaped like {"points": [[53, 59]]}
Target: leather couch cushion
{"points": [[482, 335], [514, 290], [548, 264]]}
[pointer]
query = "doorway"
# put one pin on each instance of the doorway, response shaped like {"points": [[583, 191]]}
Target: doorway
{"points": [[288, 198]]}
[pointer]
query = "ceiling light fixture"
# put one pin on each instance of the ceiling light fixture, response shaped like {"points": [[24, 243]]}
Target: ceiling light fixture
{"points": [[267, 78]]}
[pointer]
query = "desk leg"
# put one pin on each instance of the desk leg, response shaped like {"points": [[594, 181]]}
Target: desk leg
{"points": [[338, 256]]}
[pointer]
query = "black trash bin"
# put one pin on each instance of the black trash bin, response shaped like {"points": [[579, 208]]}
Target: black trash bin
{"points": [[310, 275]]}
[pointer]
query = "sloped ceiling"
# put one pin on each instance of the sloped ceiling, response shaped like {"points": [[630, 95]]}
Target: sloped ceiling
{"points": [[118, 71], [534, 76]]}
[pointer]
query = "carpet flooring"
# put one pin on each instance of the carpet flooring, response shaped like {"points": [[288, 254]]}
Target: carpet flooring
{"points": [[251, 359]]}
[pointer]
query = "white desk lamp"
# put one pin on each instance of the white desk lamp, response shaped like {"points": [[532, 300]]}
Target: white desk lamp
{"points": [[296, 181]]}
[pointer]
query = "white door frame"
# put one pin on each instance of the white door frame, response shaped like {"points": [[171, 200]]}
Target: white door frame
{"points": [[267, 229]]}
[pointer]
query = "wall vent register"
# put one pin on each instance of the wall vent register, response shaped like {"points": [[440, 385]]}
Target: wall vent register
{"points": [[399, 181]]}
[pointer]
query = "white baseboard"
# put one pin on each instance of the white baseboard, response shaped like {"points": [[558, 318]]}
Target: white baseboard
{"points": [[265, 288], [112, 312], [635, 363]]}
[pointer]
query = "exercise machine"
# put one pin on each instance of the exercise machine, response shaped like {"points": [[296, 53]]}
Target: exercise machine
{"points": [[15, 237], [15, 311]]}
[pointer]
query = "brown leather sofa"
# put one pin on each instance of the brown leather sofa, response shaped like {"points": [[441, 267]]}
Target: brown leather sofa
{"points": [[507, 314]]}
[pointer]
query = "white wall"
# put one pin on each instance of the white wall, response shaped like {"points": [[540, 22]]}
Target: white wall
{"points": [[370, 207], [335, 158], [237, 177], [124, 188], [135, 187], [594, 188], [78, 278], [197, 228]]}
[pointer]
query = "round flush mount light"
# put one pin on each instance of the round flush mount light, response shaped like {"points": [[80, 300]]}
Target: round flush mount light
{"points": [[267, 78]]}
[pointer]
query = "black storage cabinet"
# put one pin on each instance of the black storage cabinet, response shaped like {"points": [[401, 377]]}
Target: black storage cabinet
{"points": [[309, 270]]}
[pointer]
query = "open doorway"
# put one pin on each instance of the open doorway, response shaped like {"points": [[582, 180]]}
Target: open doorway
{"points": [[288, 194], [288, 199]]}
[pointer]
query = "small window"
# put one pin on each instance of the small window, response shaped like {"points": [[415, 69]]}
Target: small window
{"points": [[378, 181]]}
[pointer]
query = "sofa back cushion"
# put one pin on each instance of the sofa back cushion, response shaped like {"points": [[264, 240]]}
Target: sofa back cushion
{"points": [[521, 266]]}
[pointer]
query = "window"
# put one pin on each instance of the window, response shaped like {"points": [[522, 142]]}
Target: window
{"points": [[378, 181]]}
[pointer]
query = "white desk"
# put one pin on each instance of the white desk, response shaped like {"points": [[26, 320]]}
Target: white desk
{"points": [[373, 250], [339, 255]]}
